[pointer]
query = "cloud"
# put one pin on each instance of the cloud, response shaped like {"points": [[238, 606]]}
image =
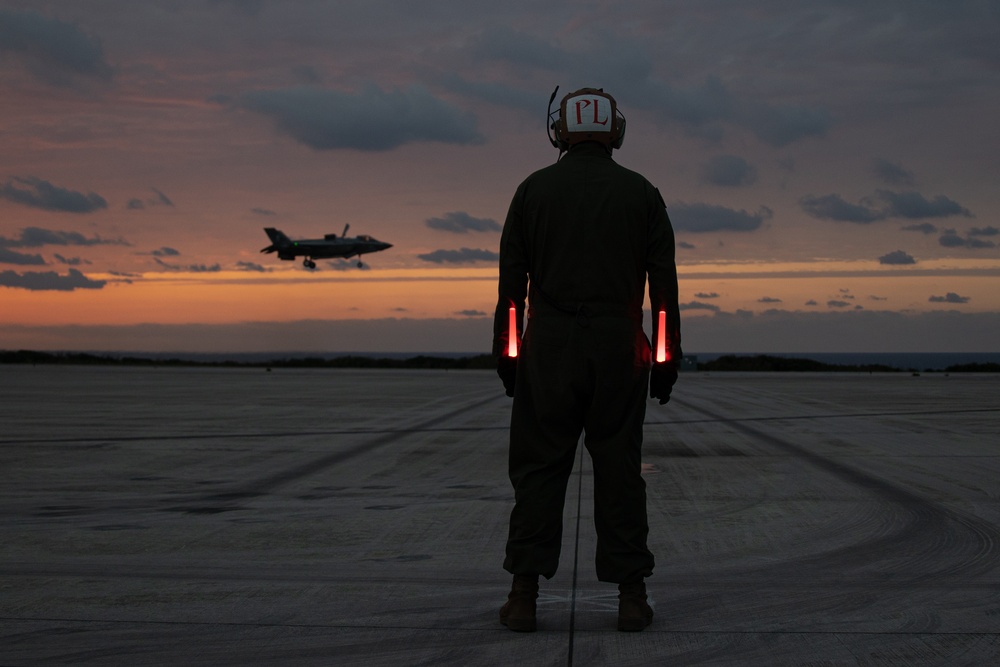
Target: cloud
{"points": [[11, 257], [951, 239], [252, 266], [460, 223], [703, 108], [162, 199], [780, 126], [700, 218], [728, 171], [159, 200], [707, 295], [190, 268], [471, 313], [896, 257], [165, 252], [49, 281], [915, 206], [911, 205], [463, 256], [341, 264], [950, 297], [923, 228], [984, 231], [42, 194], [503, 43], [372, 120], [893, 173], [698, 305], [53, 51], [834, 207], [768, 299], [493, 92], [685, 245], [262, 211], [69, 261], [34, 237], [836, 303]]}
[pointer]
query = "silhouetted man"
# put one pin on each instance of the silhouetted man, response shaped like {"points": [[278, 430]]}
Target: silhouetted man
{"points": [[579, 241]]}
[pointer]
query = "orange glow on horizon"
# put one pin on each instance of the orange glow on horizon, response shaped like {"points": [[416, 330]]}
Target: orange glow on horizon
{"points": [[290, 294], [232, 296]]}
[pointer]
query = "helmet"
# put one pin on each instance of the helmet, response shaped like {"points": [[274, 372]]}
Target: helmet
{"points": [[588, 114]]}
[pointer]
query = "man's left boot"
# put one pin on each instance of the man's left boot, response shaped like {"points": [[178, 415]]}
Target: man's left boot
{"points": [[518, 614], [634, 613]]}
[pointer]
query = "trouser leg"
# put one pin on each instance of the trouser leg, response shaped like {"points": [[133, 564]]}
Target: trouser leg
{"points": [[614, 440], [535, 538], [620, 519], [546, 423]]}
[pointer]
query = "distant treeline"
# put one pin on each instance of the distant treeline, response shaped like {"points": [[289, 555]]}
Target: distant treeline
{"points": [[763, 362], [87, 359], [729, 362]]}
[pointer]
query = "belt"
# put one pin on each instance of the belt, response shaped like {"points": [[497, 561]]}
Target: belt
{"points": [[581, 311]]}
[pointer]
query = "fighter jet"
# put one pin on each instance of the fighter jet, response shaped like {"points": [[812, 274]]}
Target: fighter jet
{"points": [[330, 245]]}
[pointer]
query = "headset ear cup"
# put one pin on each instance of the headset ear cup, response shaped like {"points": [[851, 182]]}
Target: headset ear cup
{"points": [[562, 141], [620, 126]]}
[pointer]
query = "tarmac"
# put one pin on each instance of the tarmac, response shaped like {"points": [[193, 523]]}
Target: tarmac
{"points": [[237, 516]]}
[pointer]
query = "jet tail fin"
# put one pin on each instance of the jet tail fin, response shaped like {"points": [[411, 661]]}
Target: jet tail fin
{"points": [[278, 239]]}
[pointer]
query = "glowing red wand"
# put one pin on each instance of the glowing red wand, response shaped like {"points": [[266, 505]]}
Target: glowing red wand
{"points": [[661, 338], [512, 333]]}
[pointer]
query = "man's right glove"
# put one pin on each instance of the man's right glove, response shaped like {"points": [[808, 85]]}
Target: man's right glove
{"points": [[661, 380], [507, 370]]}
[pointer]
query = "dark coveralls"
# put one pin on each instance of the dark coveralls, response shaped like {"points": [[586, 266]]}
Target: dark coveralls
{"points": [[579, 240]]}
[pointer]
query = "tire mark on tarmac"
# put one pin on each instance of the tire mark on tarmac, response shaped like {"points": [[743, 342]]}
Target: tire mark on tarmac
{"points": [[878, 585], [258, 435], [269, 483], [948, 542]]}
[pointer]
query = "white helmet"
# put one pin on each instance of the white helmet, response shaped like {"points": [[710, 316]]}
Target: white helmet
{"points": [[588, 114]]}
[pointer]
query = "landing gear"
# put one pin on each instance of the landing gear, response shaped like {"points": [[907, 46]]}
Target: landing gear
{"points": [[308, 263], [360, 265]]}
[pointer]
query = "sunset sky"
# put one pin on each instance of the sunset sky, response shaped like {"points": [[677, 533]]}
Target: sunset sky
{"points": [[830, 168]]}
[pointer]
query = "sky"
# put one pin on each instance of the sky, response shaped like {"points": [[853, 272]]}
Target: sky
{"points": [[829, 167]]}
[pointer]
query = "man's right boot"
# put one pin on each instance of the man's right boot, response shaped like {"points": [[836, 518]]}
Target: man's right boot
{"points": [[634, 613], [518, 614]]}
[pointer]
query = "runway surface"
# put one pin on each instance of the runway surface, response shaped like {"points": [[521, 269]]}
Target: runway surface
{"points": [[164, 516]]}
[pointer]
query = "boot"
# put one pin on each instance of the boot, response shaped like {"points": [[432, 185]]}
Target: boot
{"points": [[634, 613], [518, 614]]}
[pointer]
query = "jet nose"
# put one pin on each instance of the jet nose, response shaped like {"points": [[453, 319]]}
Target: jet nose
{"points": [[385, 246]]}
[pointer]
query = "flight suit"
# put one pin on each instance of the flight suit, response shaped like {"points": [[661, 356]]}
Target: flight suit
{"points": [[580, 238]]}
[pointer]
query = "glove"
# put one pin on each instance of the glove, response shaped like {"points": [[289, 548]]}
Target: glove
{"points": [[507, 370], [661, 380]]}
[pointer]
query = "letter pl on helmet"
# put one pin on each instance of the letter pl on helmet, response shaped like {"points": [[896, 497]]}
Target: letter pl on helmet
{"points": [[588, 113]]}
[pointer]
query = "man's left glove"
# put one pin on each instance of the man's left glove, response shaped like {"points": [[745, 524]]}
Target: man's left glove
{"points": [[661, 380], [507, 370]]}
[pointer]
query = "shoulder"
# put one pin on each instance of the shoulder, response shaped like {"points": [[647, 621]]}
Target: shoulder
{"points": [[637, 182], [631, 174]]}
